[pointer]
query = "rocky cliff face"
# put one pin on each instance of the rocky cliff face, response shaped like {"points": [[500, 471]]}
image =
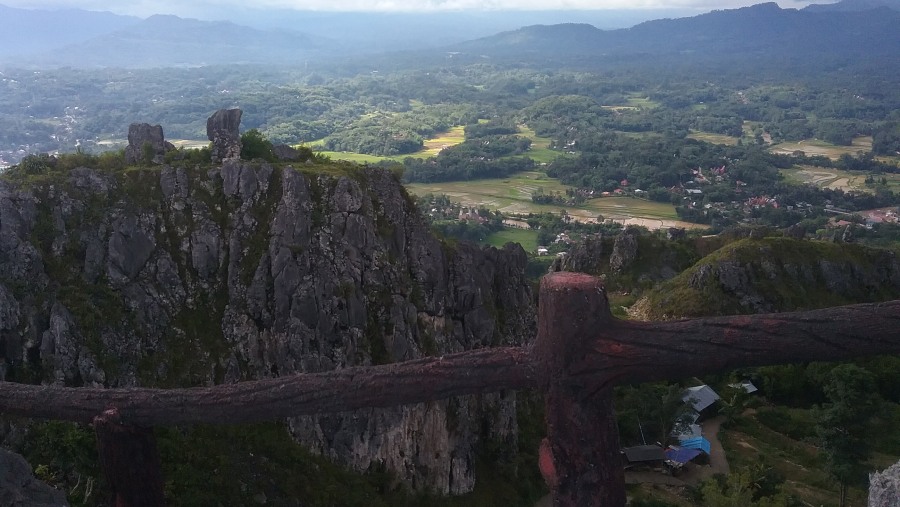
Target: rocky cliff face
{"points": [[19, 488], [179, 276], [775, 274]]}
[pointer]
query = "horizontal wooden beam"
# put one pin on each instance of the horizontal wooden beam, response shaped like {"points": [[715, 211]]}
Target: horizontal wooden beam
{"points": [[632, 352], [433, 378], [615, 352]]}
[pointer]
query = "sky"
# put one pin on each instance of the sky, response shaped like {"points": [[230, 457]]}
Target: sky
{"points": [[204, 8]]}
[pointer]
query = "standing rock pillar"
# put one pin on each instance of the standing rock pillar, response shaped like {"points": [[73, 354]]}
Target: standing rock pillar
{"points": [[223, 129], [580, 458]]}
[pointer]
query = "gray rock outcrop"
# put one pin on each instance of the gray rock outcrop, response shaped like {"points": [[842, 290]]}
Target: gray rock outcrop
{"points": [[586, 256], [286, 153], [19, 487], [222, 128], [249, 271], [884, 487], [145, 140], [624, 250]]}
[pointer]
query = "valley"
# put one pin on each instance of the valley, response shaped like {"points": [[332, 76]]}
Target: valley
{"points": [[339, 208]]}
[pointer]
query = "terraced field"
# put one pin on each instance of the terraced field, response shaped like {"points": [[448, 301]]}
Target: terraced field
{"points": [[813, 147], [837, 179]]}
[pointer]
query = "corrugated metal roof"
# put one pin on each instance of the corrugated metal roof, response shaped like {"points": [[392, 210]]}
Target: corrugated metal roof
{"points": [[700, 397], [644, 453], [747, 386]]}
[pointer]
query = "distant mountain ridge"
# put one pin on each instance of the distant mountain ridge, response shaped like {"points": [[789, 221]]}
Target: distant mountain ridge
{"points": [[166, 40], [100, 39], [93, 39], [26, 31], [762, 28], [853, 5]]}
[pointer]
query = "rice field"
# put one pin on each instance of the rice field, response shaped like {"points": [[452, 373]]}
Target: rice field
{"points": [[512, 196], [836, 179], [814, 147]]}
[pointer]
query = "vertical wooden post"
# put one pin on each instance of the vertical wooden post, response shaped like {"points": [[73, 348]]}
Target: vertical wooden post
{"points": [[581, 457], [129, 461]]}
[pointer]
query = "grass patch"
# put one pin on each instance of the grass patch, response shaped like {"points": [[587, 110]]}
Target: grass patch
{"points": [[641, 101], [525, 237], [447, 139], [189, 144], [359, 158], [753, 438], [540, 146], [713, 138]]}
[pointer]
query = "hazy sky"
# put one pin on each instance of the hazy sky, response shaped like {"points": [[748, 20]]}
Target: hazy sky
{"points": [[203, 8]]}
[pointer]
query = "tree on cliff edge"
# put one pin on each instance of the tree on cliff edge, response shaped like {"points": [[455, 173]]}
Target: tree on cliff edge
{"points": [[844, 423]]}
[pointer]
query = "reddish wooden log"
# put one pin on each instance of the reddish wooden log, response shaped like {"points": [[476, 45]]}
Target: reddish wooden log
{"points": [[648, 351], [433, 378], [582, 443], [129, 461]]}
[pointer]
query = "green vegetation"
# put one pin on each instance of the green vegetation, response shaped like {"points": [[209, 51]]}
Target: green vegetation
{"points": [[255, 146], [525, 237], [776, 266]]}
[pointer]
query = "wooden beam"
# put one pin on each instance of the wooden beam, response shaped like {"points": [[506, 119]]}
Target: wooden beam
{"points": [[433, 378], [633, 352]]}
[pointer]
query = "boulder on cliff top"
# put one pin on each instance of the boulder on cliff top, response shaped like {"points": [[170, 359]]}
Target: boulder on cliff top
{"points": [[222, 128], [151, 136]]}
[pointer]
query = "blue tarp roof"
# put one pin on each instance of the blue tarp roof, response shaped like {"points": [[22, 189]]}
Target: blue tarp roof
{"points": [[697, 443], [682, 455]]}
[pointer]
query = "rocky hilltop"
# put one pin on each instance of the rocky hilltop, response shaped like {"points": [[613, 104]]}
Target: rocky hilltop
{"points": [[771, 274], [194, 274]]}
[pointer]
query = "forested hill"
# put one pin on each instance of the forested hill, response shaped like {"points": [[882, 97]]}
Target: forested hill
{"points": [[761, 29], [24, 31]]}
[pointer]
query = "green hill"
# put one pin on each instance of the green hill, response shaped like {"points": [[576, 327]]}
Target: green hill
{"points": [[775, 274]]}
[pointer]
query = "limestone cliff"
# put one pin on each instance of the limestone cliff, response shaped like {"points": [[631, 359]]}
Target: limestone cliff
{"points": [[179, 276]]}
